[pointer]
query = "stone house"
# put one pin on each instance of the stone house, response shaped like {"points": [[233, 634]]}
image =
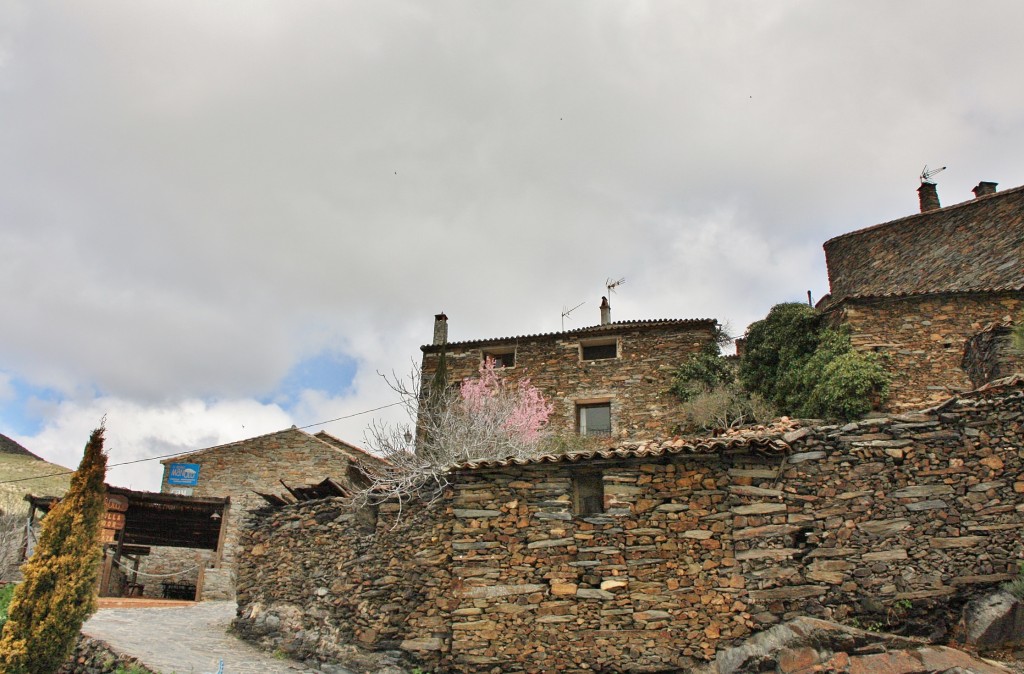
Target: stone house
{"points": [[918, 289], [610, 379], [652, 556], [239, 471]]}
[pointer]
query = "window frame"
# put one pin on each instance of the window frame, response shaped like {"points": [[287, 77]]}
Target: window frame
{"points": [[585, 344], [498, 354], [581, 424], [586, 487]]}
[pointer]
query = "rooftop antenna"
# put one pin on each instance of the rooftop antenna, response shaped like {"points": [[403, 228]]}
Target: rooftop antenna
{"points": [[926, 173], [612, 285], [566, 312]]}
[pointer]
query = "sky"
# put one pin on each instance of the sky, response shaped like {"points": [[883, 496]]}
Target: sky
{"points": [[218, 220]]}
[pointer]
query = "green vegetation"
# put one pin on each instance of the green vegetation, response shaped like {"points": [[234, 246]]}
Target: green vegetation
{"points": [[132, 669], [6, 592], [808, 369], [59, 590], [1018, 336], [712, 399], [1016, 586]]}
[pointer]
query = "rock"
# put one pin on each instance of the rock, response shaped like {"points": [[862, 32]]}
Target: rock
{"points": [[995, 621], [799, 645]]}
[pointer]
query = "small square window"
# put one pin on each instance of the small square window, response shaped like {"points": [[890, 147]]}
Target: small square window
{"points": [[595, 419], [602, 350], [588, 494], [502, 357]]}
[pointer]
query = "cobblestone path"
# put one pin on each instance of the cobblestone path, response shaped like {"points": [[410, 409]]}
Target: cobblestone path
{"points": [[188, 639]]}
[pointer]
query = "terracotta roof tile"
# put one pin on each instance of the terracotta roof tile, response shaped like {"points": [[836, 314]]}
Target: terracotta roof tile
{"points": [[617, 326], [768, 446]]}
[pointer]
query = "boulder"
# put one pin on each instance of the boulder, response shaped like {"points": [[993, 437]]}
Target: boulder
{"points": [[806, 645], [995, 621]]}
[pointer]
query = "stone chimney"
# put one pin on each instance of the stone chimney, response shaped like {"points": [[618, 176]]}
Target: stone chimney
{"points": [[440, 329], [983, 188], [606, 311], [929, 197]]}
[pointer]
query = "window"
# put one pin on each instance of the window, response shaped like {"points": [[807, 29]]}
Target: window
{"points": [[595, 419], [599, 349], [505, 357], [588, 493]]}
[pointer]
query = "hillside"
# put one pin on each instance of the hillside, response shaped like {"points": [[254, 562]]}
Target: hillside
{"points": [[17, 463]]}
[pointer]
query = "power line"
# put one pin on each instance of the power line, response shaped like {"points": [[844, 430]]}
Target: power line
{"points": [[167, 456]]}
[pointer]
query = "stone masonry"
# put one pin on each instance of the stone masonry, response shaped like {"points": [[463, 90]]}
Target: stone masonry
{"points": [[635, 381], [923, 339], [882, 521], [239, 470]]}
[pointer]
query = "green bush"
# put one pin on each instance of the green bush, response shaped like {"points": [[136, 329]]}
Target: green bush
{"points": [[724, 406], [805, 368], [701, 373]]}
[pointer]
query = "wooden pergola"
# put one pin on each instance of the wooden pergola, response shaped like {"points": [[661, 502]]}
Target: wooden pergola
{"points": [[143, 519]]}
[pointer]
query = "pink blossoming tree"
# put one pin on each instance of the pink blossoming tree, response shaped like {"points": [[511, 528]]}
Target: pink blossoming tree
{"points": [[488, 417]]}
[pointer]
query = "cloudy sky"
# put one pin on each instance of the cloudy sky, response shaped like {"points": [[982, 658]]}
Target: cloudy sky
{"points": [[221, 219]]}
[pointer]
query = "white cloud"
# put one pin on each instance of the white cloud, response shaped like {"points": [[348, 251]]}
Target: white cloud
{"points": [[196, 198], [138, 432]]}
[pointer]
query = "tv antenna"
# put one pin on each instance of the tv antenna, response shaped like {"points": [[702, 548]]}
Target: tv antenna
{"points": [[566, 312], [612, 285], [926, 174]]}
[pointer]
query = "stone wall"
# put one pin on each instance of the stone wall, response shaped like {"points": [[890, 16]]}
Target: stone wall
{"points": [[92, 656], [876, 521], [636, 383], [238, 471], [990, 355], [923, 338], [315, 579]]}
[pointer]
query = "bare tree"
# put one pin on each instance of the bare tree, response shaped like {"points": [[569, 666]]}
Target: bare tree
{"points": [[486, 418]]}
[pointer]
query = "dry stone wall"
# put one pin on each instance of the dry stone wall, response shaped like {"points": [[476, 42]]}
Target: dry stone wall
{"points": [[923, 339], [875, 521], [321, 581], [238, 471]]}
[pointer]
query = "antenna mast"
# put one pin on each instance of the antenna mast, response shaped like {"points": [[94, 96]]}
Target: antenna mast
{"points": [[926, 173], [566, 312], [612, 285]]}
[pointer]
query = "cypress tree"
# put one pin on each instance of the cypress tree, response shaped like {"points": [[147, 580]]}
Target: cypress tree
{"points": [[59, 588]]}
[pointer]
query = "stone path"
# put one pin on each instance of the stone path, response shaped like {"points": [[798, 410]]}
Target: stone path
{"points": [[185, 640]]}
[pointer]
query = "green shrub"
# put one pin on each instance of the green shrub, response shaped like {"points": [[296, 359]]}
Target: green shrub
{"points": [[806, 368], [701, 373], [724, 406]]}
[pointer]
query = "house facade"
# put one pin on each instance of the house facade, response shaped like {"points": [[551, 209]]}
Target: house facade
{"points": [[918, 289], [609, 380], [240, 471]]}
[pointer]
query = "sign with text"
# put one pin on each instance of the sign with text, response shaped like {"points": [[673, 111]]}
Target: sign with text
{"points": [[183, 474]]}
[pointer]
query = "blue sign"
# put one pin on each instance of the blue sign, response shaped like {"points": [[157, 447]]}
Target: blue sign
{"points": [[183, 474]]}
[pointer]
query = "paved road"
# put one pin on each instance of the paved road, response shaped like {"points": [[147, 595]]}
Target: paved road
{"points": [[185, 640]]}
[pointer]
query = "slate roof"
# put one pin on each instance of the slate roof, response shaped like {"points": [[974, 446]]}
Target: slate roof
{"points": [[974, 246], [765, 446], [596, 330]]}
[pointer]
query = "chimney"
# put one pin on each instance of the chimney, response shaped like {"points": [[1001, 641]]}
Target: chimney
{"points": [[929, 197], [606, 311], [983, 188], [440, 329]]}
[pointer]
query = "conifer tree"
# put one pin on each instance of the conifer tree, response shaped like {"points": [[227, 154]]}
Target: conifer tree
{"points": [[59, 588]]}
